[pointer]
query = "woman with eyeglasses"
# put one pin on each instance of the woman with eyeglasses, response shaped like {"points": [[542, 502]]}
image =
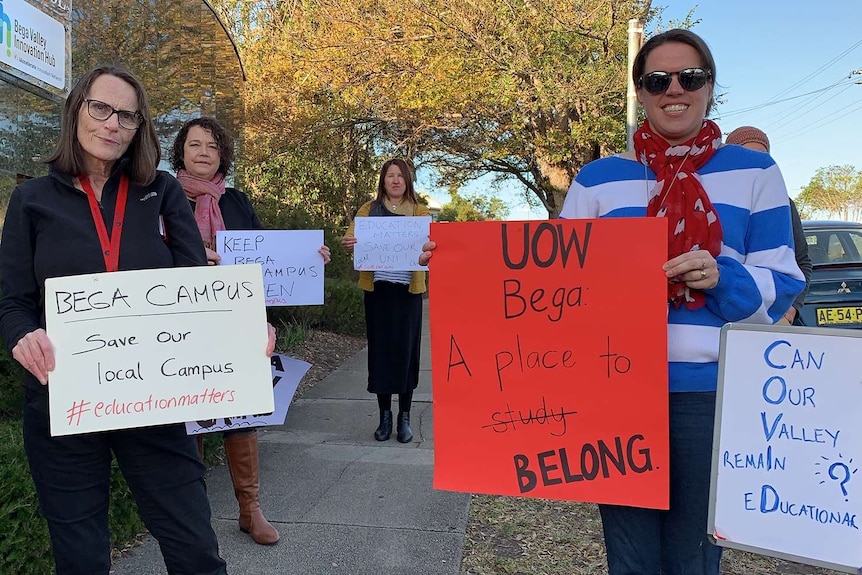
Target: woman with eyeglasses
{"points": [[102, 207], [730, 259]]}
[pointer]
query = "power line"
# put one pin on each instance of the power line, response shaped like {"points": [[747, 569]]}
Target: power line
{"points": [[816, 72], [725, 115], [822, 123], [791, 115]]}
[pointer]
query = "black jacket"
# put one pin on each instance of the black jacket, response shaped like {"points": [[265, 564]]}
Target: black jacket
{"points": [[49, 232], [237, 211]]}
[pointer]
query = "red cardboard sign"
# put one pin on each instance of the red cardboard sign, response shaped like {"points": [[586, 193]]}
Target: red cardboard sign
{"points": [[549, 359]]}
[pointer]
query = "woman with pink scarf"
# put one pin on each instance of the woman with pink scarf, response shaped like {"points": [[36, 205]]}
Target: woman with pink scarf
{"points": [[202, 154]]}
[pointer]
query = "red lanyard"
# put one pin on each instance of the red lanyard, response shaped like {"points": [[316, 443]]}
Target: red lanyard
{"points": [[110, 247]]}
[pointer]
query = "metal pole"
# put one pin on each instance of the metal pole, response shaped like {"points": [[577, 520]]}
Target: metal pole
{"points": [[636, 36]]}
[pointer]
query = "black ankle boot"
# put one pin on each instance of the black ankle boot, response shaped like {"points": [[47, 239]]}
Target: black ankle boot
{"points": [[384, 430], [405, 434]]}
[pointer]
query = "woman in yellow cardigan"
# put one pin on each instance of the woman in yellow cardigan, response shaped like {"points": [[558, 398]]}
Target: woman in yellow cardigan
{"points": [[393, 307]]}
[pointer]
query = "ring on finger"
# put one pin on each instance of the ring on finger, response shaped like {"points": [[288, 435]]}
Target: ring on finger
{"points": [[702, 274]]}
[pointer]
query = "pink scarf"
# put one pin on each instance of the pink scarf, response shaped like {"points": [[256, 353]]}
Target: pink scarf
{"points": [[206, 195]]}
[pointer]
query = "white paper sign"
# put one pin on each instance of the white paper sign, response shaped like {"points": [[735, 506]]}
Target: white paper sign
{"points": [[150, 347], [390, 242], [287, 372], [33, 43], [292, 266], [788, 444]]}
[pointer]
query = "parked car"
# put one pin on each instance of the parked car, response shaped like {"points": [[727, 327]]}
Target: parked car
{"points": [[835, 295]]}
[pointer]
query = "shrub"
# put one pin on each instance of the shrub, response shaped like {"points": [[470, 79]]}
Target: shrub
{"points": [[25, 546], [342, 310], [11, 390]]}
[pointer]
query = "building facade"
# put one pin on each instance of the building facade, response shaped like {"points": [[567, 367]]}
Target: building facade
{"points": [[179, 49]]}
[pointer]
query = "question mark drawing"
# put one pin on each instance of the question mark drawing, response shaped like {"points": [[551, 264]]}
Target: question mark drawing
{"points": [[846, 478]]}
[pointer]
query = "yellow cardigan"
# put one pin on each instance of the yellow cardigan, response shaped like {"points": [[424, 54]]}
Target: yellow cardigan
{"points": [[417, 279]]}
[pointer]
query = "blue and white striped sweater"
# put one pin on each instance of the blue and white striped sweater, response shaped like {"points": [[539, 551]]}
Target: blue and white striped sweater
{"points": [[759, 276]]}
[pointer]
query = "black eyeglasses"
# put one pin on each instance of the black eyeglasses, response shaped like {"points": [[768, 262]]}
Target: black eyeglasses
{"points": [[101, 111], [690, 79]]}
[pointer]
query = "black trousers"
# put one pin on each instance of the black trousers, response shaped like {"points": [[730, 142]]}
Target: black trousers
{"points": [[393, 324], [162, 469]]}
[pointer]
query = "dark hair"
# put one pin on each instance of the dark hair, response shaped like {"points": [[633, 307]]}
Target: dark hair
{"points": [[683, 37], [406, 171], [143, 153], [219, 134]]}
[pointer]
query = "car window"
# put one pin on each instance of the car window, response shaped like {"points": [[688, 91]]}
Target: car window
{"points": [[834, 246], [816, 247], [834, 249], [856, 238]]}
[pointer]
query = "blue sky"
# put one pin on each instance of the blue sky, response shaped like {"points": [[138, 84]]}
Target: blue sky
{"points": [[768, 50]]}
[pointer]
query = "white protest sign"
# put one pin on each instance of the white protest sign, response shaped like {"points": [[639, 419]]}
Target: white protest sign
{"points": [[149, 347], [788, 445], [390, 242], [292, 266], [286, 375]]}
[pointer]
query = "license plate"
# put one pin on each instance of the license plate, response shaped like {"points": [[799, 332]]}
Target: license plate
{"points": [[839, 315]]}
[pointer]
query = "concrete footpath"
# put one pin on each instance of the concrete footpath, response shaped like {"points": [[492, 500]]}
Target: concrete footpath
{"points": [[344, 503]]}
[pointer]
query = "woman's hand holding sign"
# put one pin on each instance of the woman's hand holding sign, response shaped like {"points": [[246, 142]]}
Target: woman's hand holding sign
{"points": [[698, 269], [270, 344], [36, 354], [427, 251]]}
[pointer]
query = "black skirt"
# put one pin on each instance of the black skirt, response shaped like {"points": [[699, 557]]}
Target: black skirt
{"points": [[393, 323]]}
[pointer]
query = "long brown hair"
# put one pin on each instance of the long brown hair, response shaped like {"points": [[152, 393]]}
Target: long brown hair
{"points": [[143, 154], [406, 171]]}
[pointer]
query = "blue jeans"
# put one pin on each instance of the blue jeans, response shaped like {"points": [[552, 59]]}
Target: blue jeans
{"points": [[674, 542], [162, 469]]}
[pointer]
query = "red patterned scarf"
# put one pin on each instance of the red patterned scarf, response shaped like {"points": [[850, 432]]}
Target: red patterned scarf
{"points": [[205, 194], [680, 197]]}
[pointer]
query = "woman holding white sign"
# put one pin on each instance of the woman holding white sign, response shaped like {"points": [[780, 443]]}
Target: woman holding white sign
{"points": [[731, 259], [202, 154], [102, 186], [393, 307]]}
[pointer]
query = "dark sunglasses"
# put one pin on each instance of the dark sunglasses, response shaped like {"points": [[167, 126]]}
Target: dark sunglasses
{"points": [[690, 79]]}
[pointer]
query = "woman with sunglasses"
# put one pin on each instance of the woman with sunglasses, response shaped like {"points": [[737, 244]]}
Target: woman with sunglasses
{"points": [[102, 207], [731, 259]]}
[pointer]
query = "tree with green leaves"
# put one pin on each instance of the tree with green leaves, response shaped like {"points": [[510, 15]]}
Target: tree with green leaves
{"points": [[835, 191], [525, 91], [472, 208]]}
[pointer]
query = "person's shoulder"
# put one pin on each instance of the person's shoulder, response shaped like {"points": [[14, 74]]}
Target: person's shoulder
{"points": [[43, 186], [611, 168], [32, 185], [164, 181], [236, 195], [422, 209], [734, 157]]}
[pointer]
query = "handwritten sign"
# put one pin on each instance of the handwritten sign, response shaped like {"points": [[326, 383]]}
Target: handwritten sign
{"points": [[549, 359], [150, 347], [788, 445], [287, 372], [390, 243], [292, 266]]}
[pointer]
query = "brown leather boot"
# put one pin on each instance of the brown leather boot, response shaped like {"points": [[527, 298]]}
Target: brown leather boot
{"points": [[242, 461]]}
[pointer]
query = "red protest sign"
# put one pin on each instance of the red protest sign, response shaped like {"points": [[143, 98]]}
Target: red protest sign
{"points": [[549, 359]]}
